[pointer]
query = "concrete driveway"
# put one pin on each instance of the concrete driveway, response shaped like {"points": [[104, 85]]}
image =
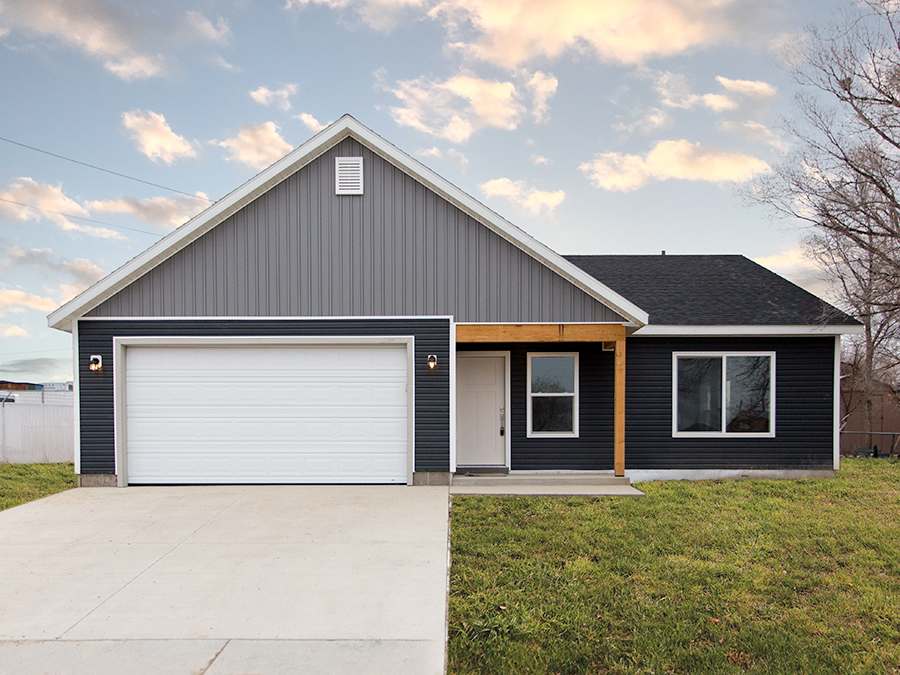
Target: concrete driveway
{"points": [[225, 580]]}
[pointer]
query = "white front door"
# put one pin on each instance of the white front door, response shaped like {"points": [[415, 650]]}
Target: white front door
{"points": [[482, 417]]}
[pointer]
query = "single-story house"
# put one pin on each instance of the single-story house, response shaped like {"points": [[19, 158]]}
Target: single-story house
{"points": [[349, 316]]}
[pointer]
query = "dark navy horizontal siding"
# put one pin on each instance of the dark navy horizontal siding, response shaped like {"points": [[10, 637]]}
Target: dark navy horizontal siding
{"points": [[804, 405], [804, 390], [432, 404], [593, 449]]}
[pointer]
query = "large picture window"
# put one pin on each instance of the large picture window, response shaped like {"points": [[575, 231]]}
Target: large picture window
{"points": [[552, 394], [730, 394]]}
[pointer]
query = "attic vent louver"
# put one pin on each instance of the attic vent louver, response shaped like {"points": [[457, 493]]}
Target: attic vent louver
{"points": [[348, 175]]}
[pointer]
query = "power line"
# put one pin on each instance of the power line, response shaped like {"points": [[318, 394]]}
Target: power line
{"points": [[69, 215], [114, 173]]}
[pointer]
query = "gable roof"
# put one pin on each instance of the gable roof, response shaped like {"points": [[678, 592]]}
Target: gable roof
{"points": [[345, 127], [713, 290]]}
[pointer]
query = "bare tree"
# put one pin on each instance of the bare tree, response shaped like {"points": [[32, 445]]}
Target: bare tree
{"points": [[843, 178]]}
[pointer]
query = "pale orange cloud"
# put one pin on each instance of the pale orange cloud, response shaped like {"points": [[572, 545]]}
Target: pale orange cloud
{"points": [[256, 146], [155, 138], [680, 159], [524, 196], [164, 212], [514, 31], [25, 199], [455, 108]]}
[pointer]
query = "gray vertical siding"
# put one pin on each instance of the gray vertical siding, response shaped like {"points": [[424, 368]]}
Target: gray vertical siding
{"points": [[398, 250], [432, 404]]}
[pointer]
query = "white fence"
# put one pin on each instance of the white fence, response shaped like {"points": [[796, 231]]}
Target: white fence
{"points": [[38, 427]]}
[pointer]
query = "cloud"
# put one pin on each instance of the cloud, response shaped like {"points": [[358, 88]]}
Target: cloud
{"points": [[9, 330], [456, 108], [48, 202], [680, 159], [37, 366], [205, 29], [538, 160], [675, 92], [542, 88], [644, 122], [14, 300], [219, 61], [380, 15], [280, 98], [453, 157], [519, 194], [81, 272], [155, 138], [754, 131], [751, 88], [256, 146], [311, 122], [96, 27], [163, 212], [515, 31]]}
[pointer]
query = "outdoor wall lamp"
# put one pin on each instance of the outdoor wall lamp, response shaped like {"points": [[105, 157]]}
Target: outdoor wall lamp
{"points": [[432, 361], [96, 362]]}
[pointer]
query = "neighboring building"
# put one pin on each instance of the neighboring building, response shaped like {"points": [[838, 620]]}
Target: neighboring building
{"points": [[348, 316], [885, 417]]}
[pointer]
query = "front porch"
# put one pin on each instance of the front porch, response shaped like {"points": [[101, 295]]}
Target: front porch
{"points": [[600, 350]]}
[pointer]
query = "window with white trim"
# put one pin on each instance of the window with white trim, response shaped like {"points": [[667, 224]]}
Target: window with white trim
{"points": [[723, 394], [552, 394]]}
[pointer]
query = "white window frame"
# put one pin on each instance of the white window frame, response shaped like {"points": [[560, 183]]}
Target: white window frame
{"points": [[575, 402], [722, 434]]}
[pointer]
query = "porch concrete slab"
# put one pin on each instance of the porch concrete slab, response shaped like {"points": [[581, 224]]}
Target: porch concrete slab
{"points": [[105, 571], [542, 490]]}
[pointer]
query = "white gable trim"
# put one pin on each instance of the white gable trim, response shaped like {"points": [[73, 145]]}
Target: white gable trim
{"points": [[195, 228]]}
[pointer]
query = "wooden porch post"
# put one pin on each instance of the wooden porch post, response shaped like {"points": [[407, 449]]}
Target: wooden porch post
{"points": [[619, 409]]}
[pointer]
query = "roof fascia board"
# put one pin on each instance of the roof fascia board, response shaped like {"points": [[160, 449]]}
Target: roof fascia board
{"points": [[291, 163], [741, 331]]}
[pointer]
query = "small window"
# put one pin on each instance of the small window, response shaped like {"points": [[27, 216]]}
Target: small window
{"points": [[348, 175], [553, 395], [723, 394]]}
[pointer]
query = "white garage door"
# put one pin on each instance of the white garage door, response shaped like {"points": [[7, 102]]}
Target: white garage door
{"points": [[266, 414]]}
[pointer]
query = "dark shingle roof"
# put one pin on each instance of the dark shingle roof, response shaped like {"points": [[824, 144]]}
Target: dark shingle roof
{"points": [[709, 290]]}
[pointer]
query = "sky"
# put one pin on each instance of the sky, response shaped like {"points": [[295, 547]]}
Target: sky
{"points": [[597, 126]]}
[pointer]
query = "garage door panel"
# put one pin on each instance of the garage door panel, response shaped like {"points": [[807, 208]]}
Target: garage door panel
{"points": [[266, 414]]}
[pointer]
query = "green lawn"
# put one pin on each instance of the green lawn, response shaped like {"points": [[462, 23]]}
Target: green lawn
{"points": [[20, 483], [706, 577]]}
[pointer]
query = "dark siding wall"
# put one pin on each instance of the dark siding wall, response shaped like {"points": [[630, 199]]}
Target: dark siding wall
{"points": [[398, 250], [432, 405], [804, 391], [803, 408], [593, 449]]}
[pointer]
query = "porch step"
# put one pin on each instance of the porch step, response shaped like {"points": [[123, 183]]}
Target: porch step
{"points": [[534, 485], [540, 479]]}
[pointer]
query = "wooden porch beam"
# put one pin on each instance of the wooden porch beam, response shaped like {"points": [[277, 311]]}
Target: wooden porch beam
{"points": [[619, 410], [540, 332]]}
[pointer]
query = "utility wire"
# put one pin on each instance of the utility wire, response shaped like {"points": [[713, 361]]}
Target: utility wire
{"points": [[114, 173], [69, 215]]}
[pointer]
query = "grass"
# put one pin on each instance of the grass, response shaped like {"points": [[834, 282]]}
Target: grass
{"points": [[21, 483], [697, 577]]}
